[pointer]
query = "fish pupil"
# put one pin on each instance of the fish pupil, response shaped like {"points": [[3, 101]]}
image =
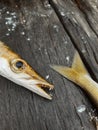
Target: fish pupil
{"points": [[19, 64]]}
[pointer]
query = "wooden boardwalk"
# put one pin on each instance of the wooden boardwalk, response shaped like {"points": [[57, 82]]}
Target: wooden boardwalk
{"points": [[48, 32]]}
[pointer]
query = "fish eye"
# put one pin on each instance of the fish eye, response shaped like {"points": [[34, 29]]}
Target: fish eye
{"points": [[18, 65]]}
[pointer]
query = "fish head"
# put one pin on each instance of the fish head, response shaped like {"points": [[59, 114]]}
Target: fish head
{"points": [[14, 68]]}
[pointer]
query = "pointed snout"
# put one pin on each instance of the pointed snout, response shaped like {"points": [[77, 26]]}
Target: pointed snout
{"points": [[38, 84]]}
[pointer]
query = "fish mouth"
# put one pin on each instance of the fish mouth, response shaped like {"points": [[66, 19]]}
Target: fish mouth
{"points": [[38, 86], [43, 89], [35, 83]]}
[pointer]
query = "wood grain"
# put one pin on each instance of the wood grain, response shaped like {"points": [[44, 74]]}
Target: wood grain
{"points": [[48, 38]]}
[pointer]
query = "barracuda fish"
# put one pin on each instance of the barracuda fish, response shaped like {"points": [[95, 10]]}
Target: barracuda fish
{"points": [[79, 75], [17, 70]]}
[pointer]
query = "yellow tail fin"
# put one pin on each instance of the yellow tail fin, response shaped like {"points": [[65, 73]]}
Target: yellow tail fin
{"points": [[79, 75], [78, 65], [72, 73]]}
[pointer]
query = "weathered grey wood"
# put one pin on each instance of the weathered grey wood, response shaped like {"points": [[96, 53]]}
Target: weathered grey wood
{"points": [[83, 37], [90, 10], [45, 42]]}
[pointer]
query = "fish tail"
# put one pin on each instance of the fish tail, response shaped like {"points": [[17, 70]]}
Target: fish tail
{"points": [[75, 71], [78, 74]]}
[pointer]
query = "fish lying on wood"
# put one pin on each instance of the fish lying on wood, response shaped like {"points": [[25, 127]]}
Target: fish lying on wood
{"points": [[79, 75], [17, 70]]}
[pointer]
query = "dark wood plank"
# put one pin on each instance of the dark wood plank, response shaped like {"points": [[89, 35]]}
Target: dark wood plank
{"points": [[90, 10], [82, 35], [43, 42]]}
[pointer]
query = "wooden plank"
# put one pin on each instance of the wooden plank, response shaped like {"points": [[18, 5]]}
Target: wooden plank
{"points": [[82, 35], [90, 10], [33, 30]]}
